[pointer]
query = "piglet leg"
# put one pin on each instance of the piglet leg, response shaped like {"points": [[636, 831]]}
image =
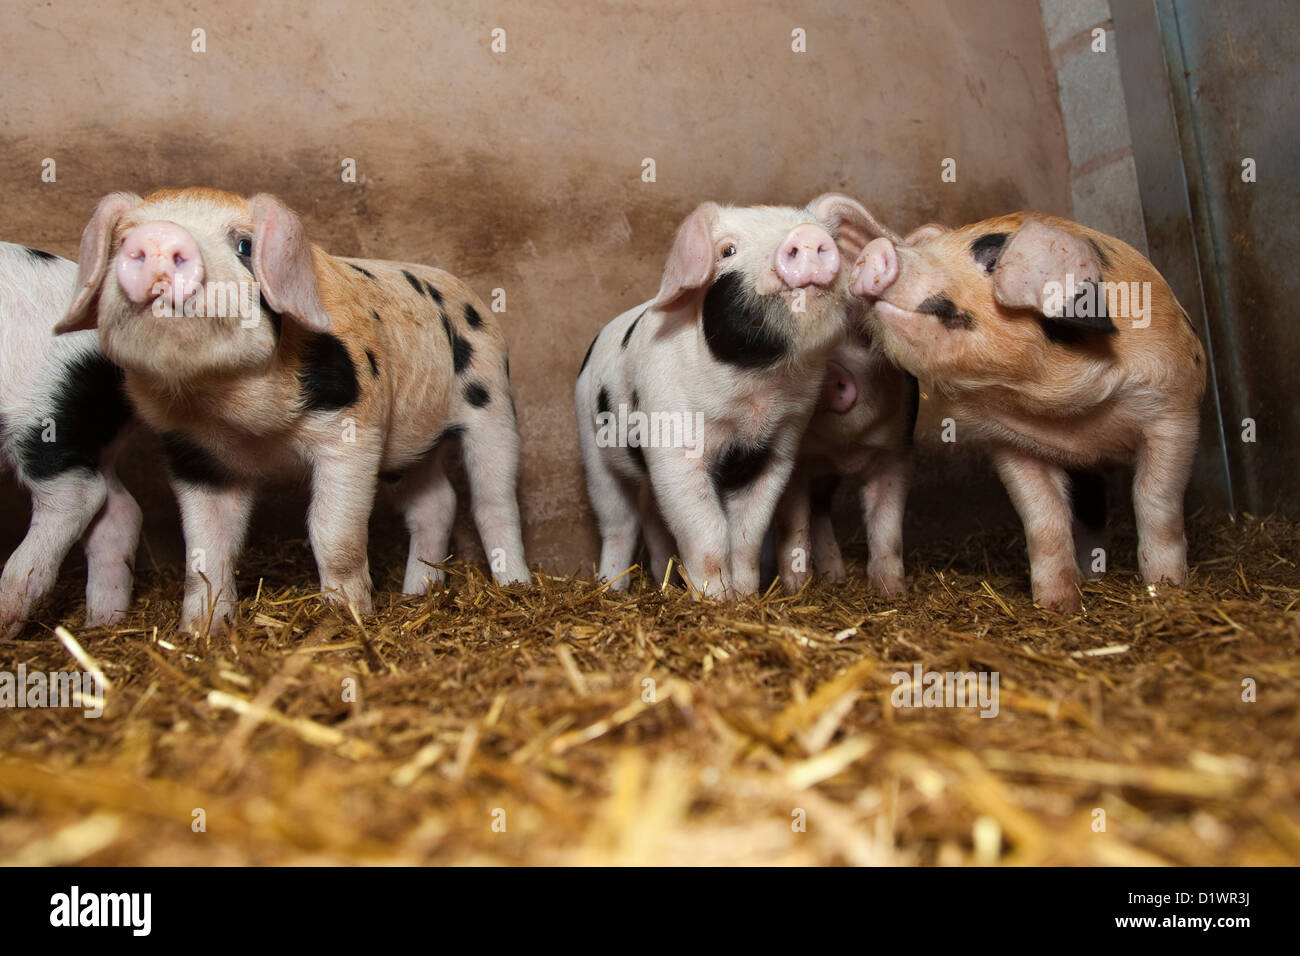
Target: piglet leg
{"points": [[110, 556], [793, 524], [215, 521], [338, 519], [695, 519], [1040, 493], [491, 450], [1164, 464], [825, 546], [62, 509], [428, 501], [884, 496], [659, 542], [749, 514]]}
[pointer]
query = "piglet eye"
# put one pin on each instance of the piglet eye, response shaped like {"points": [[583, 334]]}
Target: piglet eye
{"points": [[244, 247], [728, 250]]}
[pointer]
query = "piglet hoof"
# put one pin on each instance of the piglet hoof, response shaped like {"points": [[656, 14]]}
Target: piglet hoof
{"points": [[887, 576], [792, 582], [10, 630], [1066, 600], [835, 574], [104, 617], [345, 597], [1164, 572]]}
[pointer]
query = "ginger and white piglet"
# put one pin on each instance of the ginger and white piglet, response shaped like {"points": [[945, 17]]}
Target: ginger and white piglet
{"points": [[1061, 348], [254, 352], [690, 406], [63, 418]]}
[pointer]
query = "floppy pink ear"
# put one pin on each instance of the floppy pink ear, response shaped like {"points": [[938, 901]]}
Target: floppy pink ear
{"points": [[853, 225], [690, 264], [929, 231], [92, 261], [283, 266], [1039, 254]]}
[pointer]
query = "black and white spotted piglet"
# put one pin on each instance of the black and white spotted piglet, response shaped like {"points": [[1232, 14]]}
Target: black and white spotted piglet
{"points": [[691, 406], [63, 418]]}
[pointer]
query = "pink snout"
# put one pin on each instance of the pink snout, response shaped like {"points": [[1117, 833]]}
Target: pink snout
{"points": [[158, 257], [875, 270], [807, 256]]}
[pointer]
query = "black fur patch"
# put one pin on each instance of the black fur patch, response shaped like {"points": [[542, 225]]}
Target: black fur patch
{"points": [[375, 316], [461, 350], [636, 400], [415, 283], [821, 493], [986, 249], [587, 358], [1088, 498], [41, 255], [738, 465], [602, 401], [627, 336], [946, 311], [431, 292], [327, 376], [365, 272], [476, 394], [638, 458], [193, 464], [734, 327], [374, 366], [89, 409], [472, 318]]}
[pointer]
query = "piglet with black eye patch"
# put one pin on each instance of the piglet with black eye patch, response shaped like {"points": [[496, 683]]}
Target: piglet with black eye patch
{"points": [[255, 353], [64, 416], [690, 406], [1061, 348]]}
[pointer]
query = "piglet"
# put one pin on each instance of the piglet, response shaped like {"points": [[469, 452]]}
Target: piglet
{"points": [[63, 418], [255, 353], [861, 430], [690, 406], [1062, 348]]}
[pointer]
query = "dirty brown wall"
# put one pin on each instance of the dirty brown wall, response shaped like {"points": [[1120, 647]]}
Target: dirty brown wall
{"points": [[522, 170]]}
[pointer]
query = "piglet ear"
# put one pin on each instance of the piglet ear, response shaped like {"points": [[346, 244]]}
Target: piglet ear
{"points": [[92, 261], [931, 230], [283, 266], [851, 223], [690, 264], [1038, 256]]}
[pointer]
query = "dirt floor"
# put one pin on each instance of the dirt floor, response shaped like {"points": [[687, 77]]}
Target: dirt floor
{"points": [[563, 725]]}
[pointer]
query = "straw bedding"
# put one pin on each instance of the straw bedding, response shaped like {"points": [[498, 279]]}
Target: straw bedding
{"points": [[568, 725]]}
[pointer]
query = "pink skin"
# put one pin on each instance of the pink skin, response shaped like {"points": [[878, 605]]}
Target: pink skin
{"points": [[807, 256], [156, 257], [875, 270], [840, 391]]}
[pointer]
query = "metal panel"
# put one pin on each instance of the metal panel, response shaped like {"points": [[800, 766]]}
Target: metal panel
{"points": [[1208, 85]]}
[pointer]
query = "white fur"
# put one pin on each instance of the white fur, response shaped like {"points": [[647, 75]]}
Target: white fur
{"points": [[77, 504]]}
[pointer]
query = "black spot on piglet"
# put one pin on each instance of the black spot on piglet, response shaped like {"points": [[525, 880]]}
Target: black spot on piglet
{"points": [[986, 249], [946, 311], [476, 394], [738, 465], [327, 376], [40, 255], [365, 272], [374, 366], [461, 350], [192, 463], [89, 409], [472, 317]]}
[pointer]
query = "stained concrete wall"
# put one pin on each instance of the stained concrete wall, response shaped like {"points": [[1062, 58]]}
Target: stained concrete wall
{"points": [[522, 170]]}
